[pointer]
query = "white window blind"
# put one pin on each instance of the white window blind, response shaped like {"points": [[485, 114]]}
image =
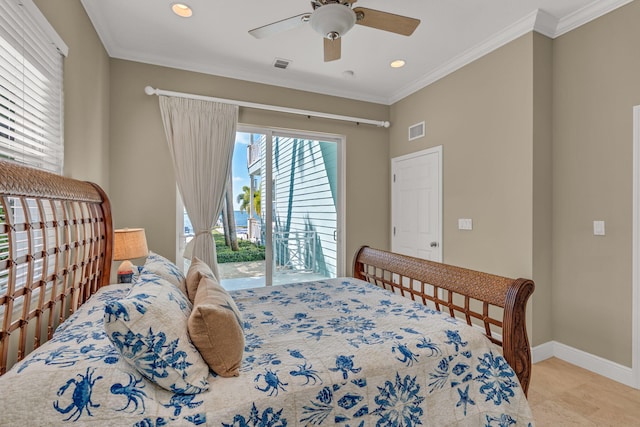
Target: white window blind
{"points": [[31, 110]]}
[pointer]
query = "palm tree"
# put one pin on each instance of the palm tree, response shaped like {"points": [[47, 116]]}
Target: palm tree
{"points": [[243, 199], [230, 217], [225, 223], [256, 202]]}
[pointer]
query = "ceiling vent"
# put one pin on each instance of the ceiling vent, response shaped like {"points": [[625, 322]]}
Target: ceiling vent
{"points": [[416, 131], [281, 63]]}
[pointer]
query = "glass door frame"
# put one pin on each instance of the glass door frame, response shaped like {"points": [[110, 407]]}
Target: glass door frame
{"points": [[270, 132]]}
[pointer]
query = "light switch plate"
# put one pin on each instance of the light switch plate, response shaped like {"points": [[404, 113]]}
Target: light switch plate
{"points": [[465, 224], [598, 228]]}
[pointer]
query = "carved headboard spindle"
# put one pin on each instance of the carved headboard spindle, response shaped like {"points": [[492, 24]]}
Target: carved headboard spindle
{"points": [[56, 238]]}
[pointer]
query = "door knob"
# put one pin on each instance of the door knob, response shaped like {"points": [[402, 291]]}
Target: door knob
{"points": [[434, 244]]}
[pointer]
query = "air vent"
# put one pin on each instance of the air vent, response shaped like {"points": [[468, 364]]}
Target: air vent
{"points": [[281, 63], [416, 131]]}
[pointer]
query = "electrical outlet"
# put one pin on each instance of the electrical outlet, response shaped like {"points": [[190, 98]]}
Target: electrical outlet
{"points": [[598, 228], [465, 224]]}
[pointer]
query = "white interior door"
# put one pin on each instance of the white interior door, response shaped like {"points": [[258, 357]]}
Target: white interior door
{"points": [[416, 213]]}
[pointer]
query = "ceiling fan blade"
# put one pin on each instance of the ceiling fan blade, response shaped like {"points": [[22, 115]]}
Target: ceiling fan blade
{"points": [[332, 49], [386, 21], [279, 26]]}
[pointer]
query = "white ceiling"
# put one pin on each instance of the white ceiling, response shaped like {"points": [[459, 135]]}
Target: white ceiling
{"points": [[215, 39]]}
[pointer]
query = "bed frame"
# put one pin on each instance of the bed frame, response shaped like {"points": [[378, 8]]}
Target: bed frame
{"points": [[56, 239], [56, 251], [495, 303]]}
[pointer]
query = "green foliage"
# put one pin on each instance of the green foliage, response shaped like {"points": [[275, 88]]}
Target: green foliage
{"points": [[249, 251], [243, 199]]}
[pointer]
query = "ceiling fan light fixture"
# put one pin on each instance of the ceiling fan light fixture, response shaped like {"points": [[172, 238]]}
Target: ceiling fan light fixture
{"points": [[333, 20]]}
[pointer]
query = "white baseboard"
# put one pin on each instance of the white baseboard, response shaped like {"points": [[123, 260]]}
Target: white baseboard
{"points": [[597, 364], [542, 352]]}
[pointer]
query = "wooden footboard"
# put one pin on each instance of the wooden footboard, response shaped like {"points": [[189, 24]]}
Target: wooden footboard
{"points": [[493, 302], [56, 239]]}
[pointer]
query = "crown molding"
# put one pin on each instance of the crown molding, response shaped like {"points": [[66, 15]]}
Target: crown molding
{"points": [[100, 27], [243, 74], [512, 32], [545, 24], [119, 52], [539, 21], [587, 14]]}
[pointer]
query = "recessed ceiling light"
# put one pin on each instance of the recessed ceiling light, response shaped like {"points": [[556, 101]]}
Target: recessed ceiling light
{"points": [[398, 63], [182, 10]]}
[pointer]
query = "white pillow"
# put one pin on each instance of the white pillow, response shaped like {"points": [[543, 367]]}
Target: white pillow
{"points": [[157, 264], [149, 329]]}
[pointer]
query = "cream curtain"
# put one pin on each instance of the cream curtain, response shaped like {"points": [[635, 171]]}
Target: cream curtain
{"points": [[201, 136]]}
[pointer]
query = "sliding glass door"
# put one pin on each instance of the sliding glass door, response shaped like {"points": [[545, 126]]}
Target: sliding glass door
{"points": [[304, 208], [287, 210]]}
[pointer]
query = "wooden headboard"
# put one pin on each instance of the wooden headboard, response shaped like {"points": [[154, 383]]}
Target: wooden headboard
{"points": [[56, 237], [495, 303]]}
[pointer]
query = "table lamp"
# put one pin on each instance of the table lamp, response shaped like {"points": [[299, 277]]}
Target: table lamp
{"points": [[129, 243]]}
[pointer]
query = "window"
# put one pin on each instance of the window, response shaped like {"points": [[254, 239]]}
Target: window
{"points": [[31, 112]]}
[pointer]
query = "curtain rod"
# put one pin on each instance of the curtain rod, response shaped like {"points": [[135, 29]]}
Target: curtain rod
{"points": [[151, 91]]}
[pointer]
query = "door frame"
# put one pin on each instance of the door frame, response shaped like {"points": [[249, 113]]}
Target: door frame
{"points": [[341, 199], [428, 151]]}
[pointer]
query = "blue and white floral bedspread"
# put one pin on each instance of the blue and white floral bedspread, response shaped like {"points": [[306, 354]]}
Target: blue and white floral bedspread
{"points": [[334, 352]]}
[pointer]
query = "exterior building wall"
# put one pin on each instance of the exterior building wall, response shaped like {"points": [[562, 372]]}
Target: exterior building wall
{"points": [[305, 213]]}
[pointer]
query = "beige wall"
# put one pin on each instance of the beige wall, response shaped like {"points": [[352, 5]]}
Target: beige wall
{"points": [[596, 71], [542, 188], [86, 92], [143, 191], [482, 116]]}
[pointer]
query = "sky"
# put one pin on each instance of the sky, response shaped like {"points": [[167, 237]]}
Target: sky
{"points": [[239, 166]]}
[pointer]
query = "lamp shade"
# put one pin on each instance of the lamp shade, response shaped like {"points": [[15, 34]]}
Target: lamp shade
{"points": [[129, 243]]}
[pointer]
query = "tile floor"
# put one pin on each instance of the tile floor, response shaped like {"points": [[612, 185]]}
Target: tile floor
{"points": [[565, 395]]}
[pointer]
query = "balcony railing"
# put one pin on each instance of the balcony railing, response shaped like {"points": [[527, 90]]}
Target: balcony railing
{"points": [[253, 154], [295, 251]]}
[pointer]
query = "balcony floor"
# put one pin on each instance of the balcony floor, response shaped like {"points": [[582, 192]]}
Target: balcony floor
{"points": [[245, 275]]}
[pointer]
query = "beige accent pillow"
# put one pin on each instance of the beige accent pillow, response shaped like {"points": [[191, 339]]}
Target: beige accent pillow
{"points": [[215, 327], [197, 270]]}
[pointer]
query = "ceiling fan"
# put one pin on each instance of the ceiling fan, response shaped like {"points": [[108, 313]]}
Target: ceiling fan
{"points": [[332, 19]]}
